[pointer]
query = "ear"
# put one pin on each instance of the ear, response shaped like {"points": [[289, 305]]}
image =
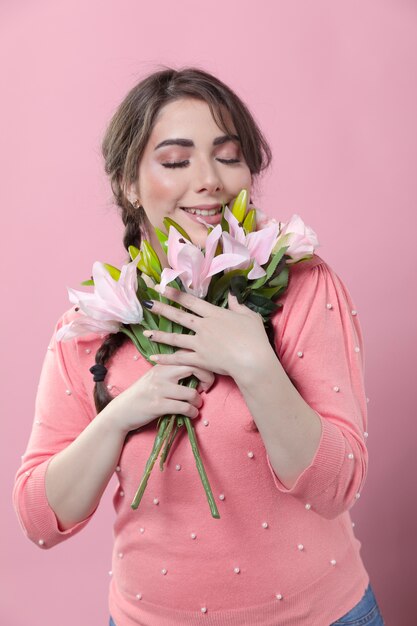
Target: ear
{"points": [[131, 193]]}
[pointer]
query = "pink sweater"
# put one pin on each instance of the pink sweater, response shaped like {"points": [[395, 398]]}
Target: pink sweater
{"points": [[277, 555]]}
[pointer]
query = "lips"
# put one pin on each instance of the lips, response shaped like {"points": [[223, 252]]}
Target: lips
{"points": [[209, 219], [204, 207], [203, 212]]}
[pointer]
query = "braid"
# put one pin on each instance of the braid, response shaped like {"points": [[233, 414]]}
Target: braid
{"points": [[107, 349], [133, 221]]}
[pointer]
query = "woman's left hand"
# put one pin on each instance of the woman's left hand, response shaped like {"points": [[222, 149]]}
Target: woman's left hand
{"points": [[225, 340]]}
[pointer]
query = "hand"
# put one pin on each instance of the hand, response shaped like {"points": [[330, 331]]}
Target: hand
{"points": [[158, 393], [225, 340]]}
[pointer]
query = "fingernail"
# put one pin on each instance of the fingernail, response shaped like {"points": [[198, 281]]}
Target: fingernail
{"points": [[148, 333], [147, 303]]}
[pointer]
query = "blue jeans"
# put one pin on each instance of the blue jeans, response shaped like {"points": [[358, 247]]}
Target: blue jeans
{"points": [[365, 613]]}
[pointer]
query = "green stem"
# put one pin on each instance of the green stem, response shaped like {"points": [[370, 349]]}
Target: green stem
{"points": [[159, 440], [167, 436], [171, 441], [163, 435], [200, 468]]}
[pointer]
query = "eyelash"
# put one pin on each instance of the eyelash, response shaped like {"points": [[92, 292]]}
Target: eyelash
{"points": [[185, 163]]}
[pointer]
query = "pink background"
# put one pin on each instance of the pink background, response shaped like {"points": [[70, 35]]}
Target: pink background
{"points": [[334, 86]]}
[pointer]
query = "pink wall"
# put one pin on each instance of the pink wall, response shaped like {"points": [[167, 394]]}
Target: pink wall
{"points": [[334, 86]]}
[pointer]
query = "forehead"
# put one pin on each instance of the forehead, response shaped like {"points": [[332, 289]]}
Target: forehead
{"points": [[187, 118]]}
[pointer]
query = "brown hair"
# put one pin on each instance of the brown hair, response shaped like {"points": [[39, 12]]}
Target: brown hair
{"points": [[127, 136]]}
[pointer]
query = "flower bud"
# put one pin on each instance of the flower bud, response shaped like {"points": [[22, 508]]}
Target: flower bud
{"points": [[151, 261], [240, 205], [249, 223]]}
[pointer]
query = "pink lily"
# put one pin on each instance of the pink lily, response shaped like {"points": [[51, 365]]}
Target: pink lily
{"points": [[263, 219], [259, 244], [300, 239], [84, 325], [113, 302], [193, 267]]}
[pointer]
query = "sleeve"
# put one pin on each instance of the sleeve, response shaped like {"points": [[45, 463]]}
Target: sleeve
{"points": [[319, 343], [62, 411]]}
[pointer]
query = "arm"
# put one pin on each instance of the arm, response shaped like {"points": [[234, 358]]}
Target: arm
{"points": [[313, 428], [72, 452], [76, 477], [289, 427], [66, 453]]}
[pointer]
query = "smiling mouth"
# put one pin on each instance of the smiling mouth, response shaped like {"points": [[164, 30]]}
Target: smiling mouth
{"points": [[203, 212]]}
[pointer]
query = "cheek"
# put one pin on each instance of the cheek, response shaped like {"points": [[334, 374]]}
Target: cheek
{"points": [[243, 179], [158, 183]]}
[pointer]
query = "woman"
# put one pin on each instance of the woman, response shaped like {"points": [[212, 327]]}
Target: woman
{"points": [[281, 420]]}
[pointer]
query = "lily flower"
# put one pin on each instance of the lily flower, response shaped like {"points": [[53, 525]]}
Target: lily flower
{"points": [[300, 239], [263, 219], [113, 302], [194, 268], [84, 325], [259, 244]]}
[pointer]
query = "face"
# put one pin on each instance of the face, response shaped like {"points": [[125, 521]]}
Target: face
{"points": [[188, 162]]}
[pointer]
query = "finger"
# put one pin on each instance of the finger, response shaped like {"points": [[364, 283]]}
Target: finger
{"points": [[179, 407], [175, 314], [177, 372], [180, 357], [206, 380], [178, 340], [234, 303], [187, 300], [182, 392]]}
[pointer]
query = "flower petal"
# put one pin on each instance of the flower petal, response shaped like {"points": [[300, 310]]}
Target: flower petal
{"points": [[84, 325], [261, 243]]}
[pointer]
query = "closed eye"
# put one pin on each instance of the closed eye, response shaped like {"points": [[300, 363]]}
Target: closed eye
{"points": [[186, 162]]}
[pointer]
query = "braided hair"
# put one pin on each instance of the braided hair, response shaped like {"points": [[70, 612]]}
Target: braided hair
{"points": [[127, 136]]}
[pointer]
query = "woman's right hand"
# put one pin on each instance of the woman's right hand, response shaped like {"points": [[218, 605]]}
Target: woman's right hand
{"points": [[158, 393]]}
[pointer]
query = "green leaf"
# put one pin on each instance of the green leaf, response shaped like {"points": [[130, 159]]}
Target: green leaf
{"points": [[224, 223], [148, 347], [113, 271], [165, 348], [238, 287], [163, 239], [265, 307], [88, 282], [176, 328], [165, 324], [268, 292], [150, 319], [276, 258], [169, 222], [218, 287], [281, 279], [142, 286]]}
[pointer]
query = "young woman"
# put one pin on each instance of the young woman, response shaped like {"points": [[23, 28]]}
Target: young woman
{"points": [[280, 416]]}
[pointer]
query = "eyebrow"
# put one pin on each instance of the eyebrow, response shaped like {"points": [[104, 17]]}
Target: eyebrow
{"points": [[188, 143]]}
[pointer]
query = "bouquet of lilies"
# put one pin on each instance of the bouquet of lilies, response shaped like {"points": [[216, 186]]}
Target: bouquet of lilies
{"points": [[246, 253]]}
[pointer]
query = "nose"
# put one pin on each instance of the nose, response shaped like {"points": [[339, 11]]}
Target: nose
{"points": [[207, 177]]}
